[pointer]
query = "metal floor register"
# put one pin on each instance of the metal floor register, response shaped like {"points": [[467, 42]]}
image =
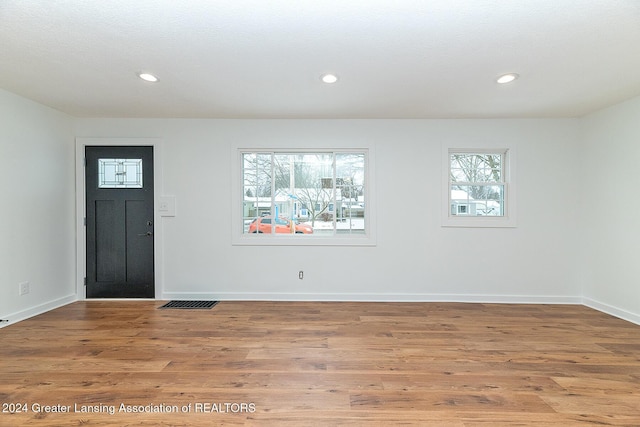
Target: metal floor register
{"points": [[190, 304]]}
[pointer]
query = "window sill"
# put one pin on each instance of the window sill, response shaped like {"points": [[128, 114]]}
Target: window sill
{"points": [[479, 222], [262, 240]]}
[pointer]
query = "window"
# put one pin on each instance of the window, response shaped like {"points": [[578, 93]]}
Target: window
{"points": [[120, 173], [303, 197], [479, 187], [461, 210], [476, 183]]}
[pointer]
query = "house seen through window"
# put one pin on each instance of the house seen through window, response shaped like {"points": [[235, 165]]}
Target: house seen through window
{"points": [[303, 193]]}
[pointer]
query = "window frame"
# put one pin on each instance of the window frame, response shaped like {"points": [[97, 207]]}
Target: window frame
{"points": [[508, 219], [239, 237]]}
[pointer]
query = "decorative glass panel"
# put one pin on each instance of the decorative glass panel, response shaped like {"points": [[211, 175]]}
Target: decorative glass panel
{"points": [[119, 173]]}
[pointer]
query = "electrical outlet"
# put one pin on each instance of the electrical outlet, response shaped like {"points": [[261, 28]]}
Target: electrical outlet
{"points": [[24, 288]]}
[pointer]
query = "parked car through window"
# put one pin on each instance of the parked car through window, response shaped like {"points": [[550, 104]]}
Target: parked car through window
{"points": [[282, 225]]}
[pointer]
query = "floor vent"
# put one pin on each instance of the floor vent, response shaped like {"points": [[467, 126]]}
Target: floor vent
{"points": [[190, 304]]}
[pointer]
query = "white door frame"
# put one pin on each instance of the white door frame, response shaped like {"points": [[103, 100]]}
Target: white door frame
{"points": [[81, 240]]}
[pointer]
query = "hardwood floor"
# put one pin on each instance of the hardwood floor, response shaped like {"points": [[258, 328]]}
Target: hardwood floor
{"points": [[320, 363]]}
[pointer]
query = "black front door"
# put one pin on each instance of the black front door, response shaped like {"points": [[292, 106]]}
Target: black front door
{"points": [[119, 197]]}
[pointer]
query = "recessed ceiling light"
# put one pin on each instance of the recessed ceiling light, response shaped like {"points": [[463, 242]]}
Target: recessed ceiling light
{"points": [[329, 78], [507, 78], [148, 77]]}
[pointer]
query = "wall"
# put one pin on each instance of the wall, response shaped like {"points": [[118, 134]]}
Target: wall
{"points": [[37, 242], [610, 238], [414, 259], [576, 236]]}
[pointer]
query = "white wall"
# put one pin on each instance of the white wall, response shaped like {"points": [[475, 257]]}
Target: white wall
{"points": [[37, 236], [610, 223], [577, 231], [415, 258]]}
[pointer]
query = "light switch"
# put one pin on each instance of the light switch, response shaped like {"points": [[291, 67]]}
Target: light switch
{"points": [[167, 206]]}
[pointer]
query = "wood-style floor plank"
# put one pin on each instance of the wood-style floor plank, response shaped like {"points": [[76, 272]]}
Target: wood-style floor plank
{"points": [[320, 364]]}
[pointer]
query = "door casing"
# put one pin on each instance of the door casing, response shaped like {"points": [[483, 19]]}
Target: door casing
{"points": [[81, 241]]}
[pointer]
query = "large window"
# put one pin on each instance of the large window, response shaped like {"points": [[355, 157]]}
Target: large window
{"points": [[480, 189], [304, 195]]}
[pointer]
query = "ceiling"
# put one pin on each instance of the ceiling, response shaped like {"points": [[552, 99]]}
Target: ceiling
{"points": [[264, 58]]}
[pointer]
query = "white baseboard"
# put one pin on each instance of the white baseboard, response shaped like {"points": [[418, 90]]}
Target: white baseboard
{"points": [[613, 311], [270, 296], [39, 309], [274, 296]]}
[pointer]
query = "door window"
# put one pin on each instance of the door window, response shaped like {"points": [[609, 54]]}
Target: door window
{"points": [[119, 173]]}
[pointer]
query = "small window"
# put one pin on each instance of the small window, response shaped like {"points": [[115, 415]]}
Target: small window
{"points": [[479, 187], [119, 173], [477, 183], [460, 210]]}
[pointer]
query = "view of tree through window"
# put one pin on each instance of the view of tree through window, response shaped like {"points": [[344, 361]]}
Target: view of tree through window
{"points": [[477, 184], [312, 193]]}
